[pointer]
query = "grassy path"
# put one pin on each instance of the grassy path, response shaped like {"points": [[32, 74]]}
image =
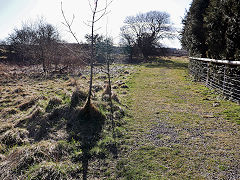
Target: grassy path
{"points": [[178, 129]]}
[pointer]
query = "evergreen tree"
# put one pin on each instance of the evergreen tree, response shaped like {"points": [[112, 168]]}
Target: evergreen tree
{"points": [[186, 33], [231, 10], [194, 31], [216, 29], [211, 28]]}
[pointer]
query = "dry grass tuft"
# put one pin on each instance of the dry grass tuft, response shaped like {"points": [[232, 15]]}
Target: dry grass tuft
{"points": [[27, 104], [53, 102], [50, 170], [78, 97], [27, 158], [72, 82], [21, 158], [105, 97], [106, 93], [91, 113], [9, 111], [15, 136], [6, 126], [115, 98], [86, 125], [42, 127], [97, 87], [18, 90], [106, 90]]}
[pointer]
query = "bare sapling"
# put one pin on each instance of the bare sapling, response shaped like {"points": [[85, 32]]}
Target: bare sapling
{"points": [[97, 15], [108, 59]]}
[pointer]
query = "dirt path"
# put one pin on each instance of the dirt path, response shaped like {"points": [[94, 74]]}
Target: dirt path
{"points": [[178, 129]]}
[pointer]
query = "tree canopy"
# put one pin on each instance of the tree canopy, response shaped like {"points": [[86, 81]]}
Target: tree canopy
{"points": [[34, 41], [145, 30]]}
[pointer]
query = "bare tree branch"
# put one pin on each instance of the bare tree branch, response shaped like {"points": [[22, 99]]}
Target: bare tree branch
{"points": [[68, 25], [96, 16]]}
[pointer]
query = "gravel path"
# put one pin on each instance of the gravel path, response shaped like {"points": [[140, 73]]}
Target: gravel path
{"points": [[171, 111]]}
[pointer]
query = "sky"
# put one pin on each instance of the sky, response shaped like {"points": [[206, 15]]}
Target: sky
{"points": [[15, 12]]}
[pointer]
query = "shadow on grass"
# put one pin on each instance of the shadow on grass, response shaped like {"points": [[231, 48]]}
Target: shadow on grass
{"points": [[86, 126], [167, 64], [83, 125]]}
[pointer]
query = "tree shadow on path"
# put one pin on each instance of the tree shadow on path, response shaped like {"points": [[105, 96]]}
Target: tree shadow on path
{"points": [[167, 64]]}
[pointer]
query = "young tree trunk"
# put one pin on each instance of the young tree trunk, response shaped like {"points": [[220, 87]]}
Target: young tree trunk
{"points": [[43, 61], [92, 54], [131, 54], [110, 96]]}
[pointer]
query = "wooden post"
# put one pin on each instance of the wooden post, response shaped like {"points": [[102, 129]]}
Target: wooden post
{"points": [[208, 69], [224, 79]]}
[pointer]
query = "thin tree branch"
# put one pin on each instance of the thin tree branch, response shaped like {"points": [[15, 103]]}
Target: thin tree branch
{"points": [[87, 24], [68, 25], [103, 14], [106, 6], [72, 20], [90, 6]]}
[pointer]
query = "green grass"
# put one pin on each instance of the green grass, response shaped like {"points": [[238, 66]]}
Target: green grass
{"points": [[173, 129], [232, 113]]}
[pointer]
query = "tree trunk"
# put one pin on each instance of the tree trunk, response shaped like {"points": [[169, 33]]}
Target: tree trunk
{"points": [[92, 54]]}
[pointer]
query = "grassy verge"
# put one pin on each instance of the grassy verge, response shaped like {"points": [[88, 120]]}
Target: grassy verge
{"points": [[177, 128]]}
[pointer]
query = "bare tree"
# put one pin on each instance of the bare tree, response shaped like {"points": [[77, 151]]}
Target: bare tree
{"points": [[97, 15], [47, 38], [35, 43], [22, 43], [128, 41], [146, 30]]}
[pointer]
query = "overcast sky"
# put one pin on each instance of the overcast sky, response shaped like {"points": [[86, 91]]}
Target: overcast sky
{"points": [[14, 12]]}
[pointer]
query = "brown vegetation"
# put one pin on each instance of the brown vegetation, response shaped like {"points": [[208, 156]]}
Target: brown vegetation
{"points": [[48, 130]]}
